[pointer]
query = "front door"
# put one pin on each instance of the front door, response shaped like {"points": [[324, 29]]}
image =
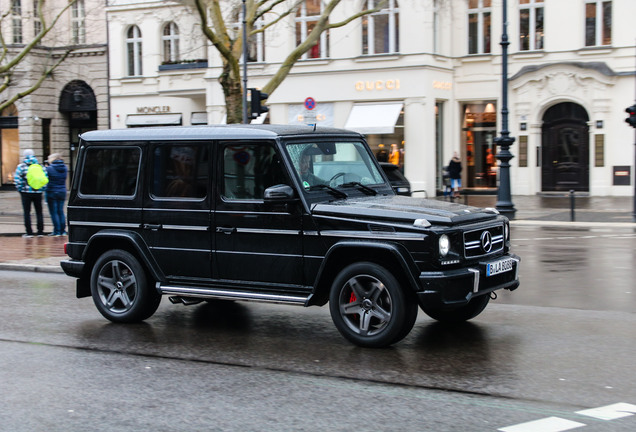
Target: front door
{"points": [[256, 242], [565, 149]]}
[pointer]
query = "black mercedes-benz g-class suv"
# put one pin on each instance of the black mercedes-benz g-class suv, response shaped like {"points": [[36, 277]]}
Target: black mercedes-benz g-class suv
{"points": [[283, 214]]}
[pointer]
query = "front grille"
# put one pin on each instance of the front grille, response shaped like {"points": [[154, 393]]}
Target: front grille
{"points": [[483, 241]]}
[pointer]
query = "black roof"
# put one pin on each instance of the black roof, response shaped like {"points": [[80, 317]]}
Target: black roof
{"points": [[233, 131]]}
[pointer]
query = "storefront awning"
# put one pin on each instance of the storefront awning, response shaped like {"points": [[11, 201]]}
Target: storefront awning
{"points": [[133, 120], [199, 118], [379, 118]]}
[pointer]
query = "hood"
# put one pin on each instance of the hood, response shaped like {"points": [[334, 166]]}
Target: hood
{"points": [[58, 166], [403, 209], [30, 160]]}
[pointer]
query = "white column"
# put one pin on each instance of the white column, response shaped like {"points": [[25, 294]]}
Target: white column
{"points": [[419, 144]]}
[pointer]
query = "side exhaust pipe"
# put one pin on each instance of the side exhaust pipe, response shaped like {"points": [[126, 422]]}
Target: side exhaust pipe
{"points": [[188, 301]]}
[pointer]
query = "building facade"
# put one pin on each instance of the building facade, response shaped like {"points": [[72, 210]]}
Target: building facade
{"points": [[421, 79], [71, 99]]}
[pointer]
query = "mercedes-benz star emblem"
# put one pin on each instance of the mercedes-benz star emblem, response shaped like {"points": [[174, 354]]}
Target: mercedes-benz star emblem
{"points": [[486, 241]]}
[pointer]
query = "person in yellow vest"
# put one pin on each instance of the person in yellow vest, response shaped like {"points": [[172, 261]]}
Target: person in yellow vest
{"points": [[29, 195]]}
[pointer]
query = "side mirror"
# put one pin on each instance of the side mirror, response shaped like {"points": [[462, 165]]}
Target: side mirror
{"points": [[279, 193]]}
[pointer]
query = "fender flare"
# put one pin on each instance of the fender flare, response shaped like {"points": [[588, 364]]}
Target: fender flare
{"points": [[400, 256], [139, 248]]}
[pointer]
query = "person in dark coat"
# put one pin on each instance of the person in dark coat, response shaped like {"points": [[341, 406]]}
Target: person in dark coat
{"points": [[56, 193], [454, 172]]}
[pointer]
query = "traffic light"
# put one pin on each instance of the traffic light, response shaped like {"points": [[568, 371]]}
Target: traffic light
{"points": [[256, 103], [632, 115]]}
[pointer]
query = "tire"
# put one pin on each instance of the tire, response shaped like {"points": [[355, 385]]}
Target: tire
{"points": [[368, 306], [120, 290], [464, 313]]}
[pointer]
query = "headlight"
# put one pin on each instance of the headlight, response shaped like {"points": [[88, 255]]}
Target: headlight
{"points": [[444, 245]]}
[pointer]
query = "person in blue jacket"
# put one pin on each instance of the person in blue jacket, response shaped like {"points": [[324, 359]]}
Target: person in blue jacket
{"points": [[56, 193], [29, 195]]}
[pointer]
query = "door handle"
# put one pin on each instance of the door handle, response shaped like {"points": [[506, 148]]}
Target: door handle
{"points": [[153, 227], [225, 230]]}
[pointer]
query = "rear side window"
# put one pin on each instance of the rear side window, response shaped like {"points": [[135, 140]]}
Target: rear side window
{"points": [[180, 171], [111, 171]]}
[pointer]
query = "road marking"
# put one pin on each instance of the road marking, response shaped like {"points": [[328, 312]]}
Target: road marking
{"points": [[610, 412], [557, 424], [549, 424]]}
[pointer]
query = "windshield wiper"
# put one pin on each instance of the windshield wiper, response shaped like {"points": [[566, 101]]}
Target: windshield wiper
{"points": [[335, 192], [366, 189]]}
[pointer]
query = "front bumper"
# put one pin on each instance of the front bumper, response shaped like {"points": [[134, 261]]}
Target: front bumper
{"points": [[453, 288]]}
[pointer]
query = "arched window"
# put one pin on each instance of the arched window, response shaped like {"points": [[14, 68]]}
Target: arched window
{"points": [[170, 39], [306, 19], [133, 50], [380, 31]]}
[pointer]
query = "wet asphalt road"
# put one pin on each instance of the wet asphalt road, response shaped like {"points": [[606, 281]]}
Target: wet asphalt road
{"points": [[562, 343]]}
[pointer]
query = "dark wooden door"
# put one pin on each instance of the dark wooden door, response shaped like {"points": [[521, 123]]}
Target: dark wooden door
{"points": [[565, 149]]}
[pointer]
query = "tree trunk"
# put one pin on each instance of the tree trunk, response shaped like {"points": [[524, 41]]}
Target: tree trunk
{"points": [[233, 96]]}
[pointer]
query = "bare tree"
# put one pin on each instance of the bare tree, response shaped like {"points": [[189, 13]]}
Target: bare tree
{"points": [[271, 12], [13, 55]]}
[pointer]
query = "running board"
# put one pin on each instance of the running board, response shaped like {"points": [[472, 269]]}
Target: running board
{"points": [[232, 295]]}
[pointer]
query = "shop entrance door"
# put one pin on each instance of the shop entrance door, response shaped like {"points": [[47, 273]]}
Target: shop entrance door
{"points": [[565, 148]]}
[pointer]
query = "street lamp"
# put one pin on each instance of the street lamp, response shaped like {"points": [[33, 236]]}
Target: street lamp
{"points": [[504, 200], [244, 63]]}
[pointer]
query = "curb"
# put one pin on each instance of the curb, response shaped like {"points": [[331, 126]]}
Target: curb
{"points": [[530, 222], [32, 268]]}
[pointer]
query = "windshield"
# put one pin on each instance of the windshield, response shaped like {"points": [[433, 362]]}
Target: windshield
{"points": [[334, 165]]}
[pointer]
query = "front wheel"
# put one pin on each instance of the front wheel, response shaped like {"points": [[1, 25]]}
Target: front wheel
{"points": [[368, 306], [474, 307], [120, 289]]}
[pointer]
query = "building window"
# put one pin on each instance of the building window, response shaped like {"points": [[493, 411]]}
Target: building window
{"points": [[530, 25], [479, 26], [78, 19], [37, 24], [133, 49], [380, 31], [16, 21], [170, 39], [255, 42], [598, 23], [306, 19]]}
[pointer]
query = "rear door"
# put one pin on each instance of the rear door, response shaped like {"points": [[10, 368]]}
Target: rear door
{"points": [[176, 212], [256, 242]]}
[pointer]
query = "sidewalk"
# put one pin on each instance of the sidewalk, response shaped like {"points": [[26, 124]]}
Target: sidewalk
{"points": [[45, 253]]}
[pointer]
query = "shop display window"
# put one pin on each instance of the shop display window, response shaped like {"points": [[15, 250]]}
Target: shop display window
{"points": [[478, 134]]}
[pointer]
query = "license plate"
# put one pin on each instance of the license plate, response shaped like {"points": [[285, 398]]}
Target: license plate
{"points": [[501, 266]]}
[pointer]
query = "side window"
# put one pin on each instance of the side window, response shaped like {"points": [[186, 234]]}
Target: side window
{"points": [[180, 171], [111, 171], [249, 169]]}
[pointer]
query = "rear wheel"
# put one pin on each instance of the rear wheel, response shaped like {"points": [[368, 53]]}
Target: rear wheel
{"points": [[120, 290], [474, 307], [368, 306]]}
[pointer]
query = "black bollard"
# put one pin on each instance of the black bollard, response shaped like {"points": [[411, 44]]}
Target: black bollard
{"points": [[572, 218]]}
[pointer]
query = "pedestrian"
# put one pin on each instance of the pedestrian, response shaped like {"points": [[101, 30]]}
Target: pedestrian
{"points": [[454, 172], [30, 195], [56, 193]]}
